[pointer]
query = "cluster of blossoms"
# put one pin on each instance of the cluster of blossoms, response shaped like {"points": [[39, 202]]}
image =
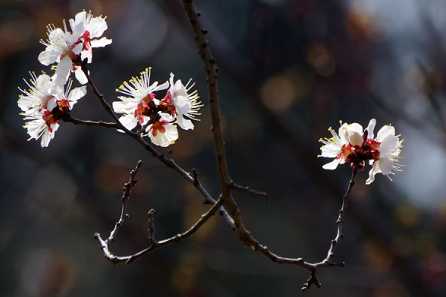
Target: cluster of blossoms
{"points": [[48, 99], [357, 147], [157, 116]]}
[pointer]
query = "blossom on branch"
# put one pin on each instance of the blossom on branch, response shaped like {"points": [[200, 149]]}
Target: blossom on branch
{"points": [[67, 49], [358, 147], [159, 118], [42, 109], [163, 132], [139, 102], [183, 102]]}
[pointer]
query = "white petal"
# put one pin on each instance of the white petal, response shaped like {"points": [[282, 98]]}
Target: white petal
{"points": [[370, 129], [330, 150], [384, 132], [375, 170], [97, 27], [129, 121], [124, 107], [62, 73], [332, 165], [76, 94], [184, 123], [104, 41], [388, 145], [386, 165], [80, 76], [49, 56]]}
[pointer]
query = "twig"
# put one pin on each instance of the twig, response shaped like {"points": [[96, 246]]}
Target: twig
{"points": [[70, 119], [153, 245], [166, 160], [226, 183], [328, 260], [248, 189]]}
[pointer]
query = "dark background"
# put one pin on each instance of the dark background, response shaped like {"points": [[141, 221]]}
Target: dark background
{"points": [[289, 70]]}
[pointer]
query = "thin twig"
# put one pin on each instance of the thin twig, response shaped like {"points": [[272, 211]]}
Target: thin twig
{"points": [[248, 189], [75, 121], [153, 245], [166, 160]]}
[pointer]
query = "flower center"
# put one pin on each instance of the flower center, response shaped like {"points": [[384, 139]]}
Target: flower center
{"points": [[357, 155], [86, 41], [158, 127], [166, 105], [144, 107]]}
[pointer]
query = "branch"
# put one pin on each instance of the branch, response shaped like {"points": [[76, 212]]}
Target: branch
{"points": [[154, 244], [166, 160], [248, 189], [70, 119], [226, 183]]}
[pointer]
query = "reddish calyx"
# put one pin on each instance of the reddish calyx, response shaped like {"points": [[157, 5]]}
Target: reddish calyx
{"points": [[86, 41], [53, 116], [166, 105], [144, 107], [158, 127], [358, 155]]}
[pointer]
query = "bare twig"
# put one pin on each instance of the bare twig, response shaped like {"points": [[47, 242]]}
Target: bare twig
{"points": [[226, 183], [166, 160], [153, 245], [248, 189], [70, 119]]}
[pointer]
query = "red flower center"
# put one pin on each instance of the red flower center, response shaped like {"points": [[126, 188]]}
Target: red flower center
{"points": [[357, 155], [166, 104], [143, 107], [158, 127]]}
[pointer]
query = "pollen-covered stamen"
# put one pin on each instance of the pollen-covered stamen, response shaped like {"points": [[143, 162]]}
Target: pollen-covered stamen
{"points": [[63, 105]]}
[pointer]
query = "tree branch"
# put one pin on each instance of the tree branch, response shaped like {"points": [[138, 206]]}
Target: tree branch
{"points": [[70, 119]]}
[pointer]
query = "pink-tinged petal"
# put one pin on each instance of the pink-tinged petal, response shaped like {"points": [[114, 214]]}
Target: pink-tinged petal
{"points": [[129, 121], [104, 41], [332, 165], [370, 129], [384, 132]]}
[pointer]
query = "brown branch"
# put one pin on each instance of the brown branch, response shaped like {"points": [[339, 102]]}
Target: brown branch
{"points": [[70, 119], [226, 183], [166, 160], [248, 189], [154, 244]]}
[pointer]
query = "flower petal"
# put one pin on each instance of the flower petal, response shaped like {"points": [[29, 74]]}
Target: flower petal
{"points": [[370, 129], [332, 165], [384, 132]]}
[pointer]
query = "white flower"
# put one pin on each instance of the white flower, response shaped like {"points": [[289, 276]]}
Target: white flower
{"points": [[38, 93], [358, 147], [139, 101], [67, 49], [88, 30], [163, 132], [181, 101], [341, 146], [386, 162], [42, 111]]}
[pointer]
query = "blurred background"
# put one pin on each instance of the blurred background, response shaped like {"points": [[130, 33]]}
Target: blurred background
{"points": [[289, 70]]}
